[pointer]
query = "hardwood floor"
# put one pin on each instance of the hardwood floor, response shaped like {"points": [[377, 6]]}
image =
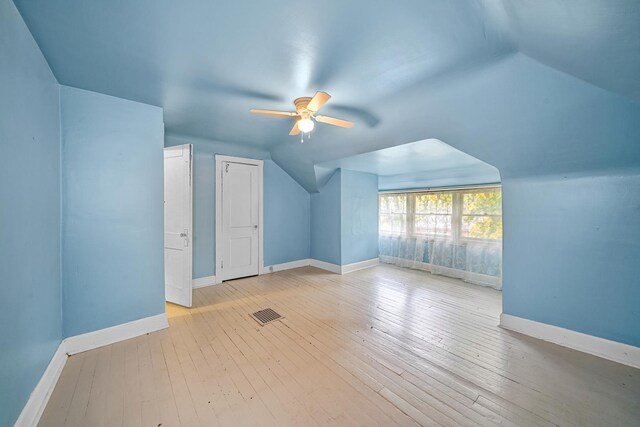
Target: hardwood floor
{"points": [[383, 346]]}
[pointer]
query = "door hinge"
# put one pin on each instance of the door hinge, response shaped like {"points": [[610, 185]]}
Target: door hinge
{"points": [[221, 264]]}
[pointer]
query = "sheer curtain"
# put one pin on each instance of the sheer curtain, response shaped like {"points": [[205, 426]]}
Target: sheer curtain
{"points": [[452, 233]]}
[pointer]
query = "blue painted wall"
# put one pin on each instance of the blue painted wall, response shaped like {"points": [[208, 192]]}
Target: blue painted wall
{"points": [[286, 209], [287, 217], [571, 251], [112, 211], [326, 229], [359, 224], [344, 218], [30, 308]]}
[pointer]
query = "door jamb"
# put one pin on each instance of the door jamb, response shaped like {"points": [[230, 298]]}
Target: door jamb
{"points": [[218, 214]]}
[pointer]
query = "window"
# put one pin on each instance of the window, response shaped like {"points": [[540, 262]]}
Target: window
{"points": [[473, 214]]}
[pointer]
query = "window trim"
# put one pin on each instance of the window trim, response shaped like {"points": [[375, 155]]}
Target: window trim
{"points": [[443, 189]]}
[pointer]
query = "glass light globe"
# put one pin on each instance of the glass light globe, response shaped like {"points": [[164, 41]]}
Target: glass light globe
{"points": [[305, 125]]}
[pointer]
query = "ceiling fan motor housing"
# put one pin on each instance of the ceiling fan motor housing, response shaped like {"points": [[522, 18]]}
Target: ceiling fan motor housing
{"points": [[301, 104]]}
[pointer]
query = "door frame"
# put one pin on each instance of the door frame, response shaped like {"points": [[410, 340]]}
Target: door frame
{"points": [[218, 214]]}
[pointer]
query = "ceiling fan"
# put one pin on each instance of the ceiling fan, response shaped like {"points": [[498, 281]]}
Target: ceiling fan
{"points": [[306, 109]]}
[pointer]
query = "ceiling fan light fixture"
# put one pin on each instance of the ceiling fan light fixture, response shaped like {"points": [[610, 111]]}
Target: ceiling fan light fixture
{"points": [[305, 125], [305, 114]]}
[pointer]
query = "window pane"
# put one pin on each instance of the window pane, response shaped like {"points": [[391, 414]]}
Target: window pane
{"points": [[434, 203], [438, 225], [393, 223], [393, 203], [482, 227], [488, 202], [482, 215]]}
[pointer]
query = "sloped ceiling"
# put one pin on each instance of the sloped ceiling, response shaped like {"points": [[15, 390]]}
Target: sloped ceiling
{"points": [[531, 87], [421, 164]]}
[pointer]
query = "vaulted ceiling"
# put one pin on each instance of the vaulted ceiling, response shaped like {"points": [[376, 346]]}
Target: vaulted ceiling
{"points": [[529, 86]]}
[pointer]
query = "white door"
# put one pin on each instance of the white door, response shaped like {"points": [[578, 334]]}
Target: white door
{"points": [[240, 220], [177, 224]]}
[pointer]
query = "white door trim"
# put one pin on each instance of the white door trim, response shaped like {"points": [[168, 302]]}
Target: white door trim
{"points": [[219, 274]]}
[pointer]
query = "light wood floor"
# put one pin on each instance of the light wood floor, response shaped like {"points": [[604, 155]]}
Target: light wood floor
{"points": [[383, 346]]}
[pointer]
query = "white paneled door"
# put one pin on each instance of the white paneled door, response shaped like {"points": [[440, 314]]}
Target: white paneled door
{"points": [[178, 183], [240, 219]]}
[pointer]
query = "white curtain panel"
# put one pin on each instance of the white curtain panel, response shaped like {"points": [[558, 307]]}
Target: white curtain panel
{"points": [[474, 262]]}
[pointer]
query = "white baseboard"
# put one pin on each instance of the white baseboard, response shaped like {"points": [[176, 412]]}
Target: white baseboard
{"points": [[344, 269], [334, 268], [359, 265], [125, 331], [607, 349], [286, 266], [32, 411], [201, 282]]}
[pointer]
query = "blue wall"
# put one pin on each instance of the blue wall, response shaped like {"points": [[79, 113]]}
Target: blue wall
{"points": [[30, 308], [287, 217], [112, 211], [286, 209], [571, 251], [359, 223], [344, 218], [326, 243]]}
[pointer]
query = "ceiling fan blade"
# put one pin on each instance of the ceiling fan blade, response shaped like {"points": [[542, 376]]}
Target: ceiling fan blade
{"points": [[318, 100], [334, 121], [295, 130], [274, 113]]}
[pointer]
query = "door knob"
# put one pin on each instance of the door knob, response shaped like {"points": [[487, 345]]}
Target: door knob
{"points": [[183, 234]]}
